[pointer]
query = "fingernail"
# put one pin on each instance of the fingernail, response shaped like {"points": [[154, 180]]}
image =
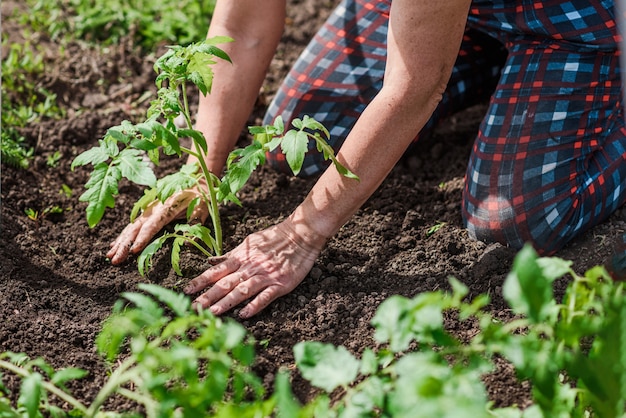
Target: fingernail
{"points": [[243, 314], [215, 310], [188, 289]]}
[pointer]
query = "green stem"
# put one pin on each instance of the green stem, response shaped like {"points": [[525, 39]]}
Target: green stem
{"points": [[149, 403], [116, 379], [47, 386], [211, 202]]}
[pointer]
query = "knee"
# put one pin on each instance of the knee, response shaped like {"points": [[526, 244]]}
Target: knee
{"points": [[498, 219]]}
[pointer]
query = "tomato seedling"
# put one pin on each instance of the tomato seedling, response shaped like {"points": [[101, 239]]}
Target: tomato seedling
{"points": [[123, 150]]}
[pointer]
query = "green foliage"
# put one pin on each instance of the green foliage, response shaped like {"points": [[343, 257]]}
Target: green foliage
{"points": [[571, 352], [24, 102], [177, 362], [171, 360], [127, 151], [108, 21]]}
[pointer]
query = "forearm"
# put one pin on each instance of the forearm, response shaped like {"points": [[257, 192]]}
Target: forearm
{"points": [[374, 146], [256, 28], [423, 43]]}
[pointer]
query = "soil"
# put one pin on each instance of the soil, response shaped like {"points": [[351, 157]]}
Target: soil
{"points": [[57, 286]]}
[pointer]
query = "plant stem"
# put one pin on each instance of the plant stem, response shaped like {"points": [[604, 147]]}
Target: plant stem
{"points": [[149, 403], [47, 385], [116, 379], [212, 203]]}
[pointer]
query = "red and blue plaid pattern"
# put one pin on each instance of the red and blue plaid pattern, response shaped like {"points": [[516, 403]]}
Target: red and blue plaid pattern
{"points": [[548, 160]]}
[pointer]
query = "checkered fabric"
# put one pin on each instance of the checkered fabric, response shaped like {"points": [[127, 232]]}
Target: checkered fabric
{"points": [[547, 161]]}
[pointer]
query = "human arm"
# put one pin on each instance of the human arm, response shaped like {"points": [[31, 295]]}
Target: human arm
{"points": [[423, 42], [256, 28]]}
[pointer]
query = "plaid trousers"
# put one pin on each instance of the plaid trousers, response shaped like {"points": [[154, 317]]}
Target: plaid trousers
{"points": [[547, 163]]}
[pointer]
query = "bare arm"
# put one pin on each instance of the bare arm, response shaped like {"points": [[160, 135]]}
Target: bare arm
{"points": [[256, 26], [423, 43]]}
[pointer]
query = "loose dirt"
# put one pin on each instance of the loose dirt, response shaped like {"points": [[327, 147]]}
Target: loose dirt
{"points": [[57, 285]]}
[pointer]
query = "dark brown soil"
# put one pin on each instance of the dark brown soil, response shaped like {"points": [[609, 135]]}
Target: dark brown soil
{"points": [[57, 285]]}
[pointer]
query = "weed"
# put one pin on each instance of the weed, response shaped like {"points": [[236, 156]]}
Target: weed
{"points": [[53, 159]]}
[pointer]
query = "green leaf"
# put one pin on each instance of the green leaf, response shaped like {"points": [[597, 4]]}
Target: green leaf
{"points": [[101, 190], [95, 156], [286, 404], [295, 145], [135, 168], [176, 301], [200, 72], [6, 410], [63, 376], [144, 261], [325, 365], [197, 136], [185, 178], [393, 323], [30, 394], [149, 196], [527, 289], [242, 164], [175, 255], [554, 268]]}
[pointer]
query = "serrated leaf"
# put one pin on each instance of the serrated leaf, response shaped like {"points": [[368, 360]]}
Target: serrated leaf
{"points": [[294, 146], [135, 168], [101, 191], [393, 322], [200, 72], [149, 196], [326, 366], [94, 156], [240, 169], [177, 302], [30, 394], [183, 179], [279, 125], [144, 261], [63, 376], [526, 288]]}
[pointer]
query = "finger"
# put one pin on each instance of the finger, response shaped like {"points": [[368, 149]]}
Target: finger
{"points": [[199, 214], [212, 275], [217, 259], [161, 215], [219, 299], [225, 293], [120, 248], [261, 301]]}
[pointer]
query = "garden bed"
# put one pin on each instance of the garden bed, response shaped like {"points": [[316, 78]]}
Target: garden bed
{"points": [[57, 286]]}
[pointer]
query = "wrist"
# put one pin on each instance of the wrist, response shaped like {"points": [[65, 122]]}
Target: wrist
{"points": [[309, 231]]}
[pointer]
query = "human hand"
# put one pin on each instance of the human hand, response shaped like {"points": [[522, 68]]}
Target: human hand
{"points": [[266, 265], [138, 234]]}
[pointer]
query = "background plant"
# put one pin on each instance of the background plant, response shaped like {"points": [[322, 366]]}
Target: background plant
{"points": [[170, 360], [122, 151], [183, 363], [24, 101], [572, 351], [149, 23]]}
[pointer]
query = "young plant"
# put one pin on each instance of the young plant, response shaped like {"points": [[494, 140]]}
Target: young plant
{"points": [[165, 357], [572, 352], [23, 101], [122, 152]]}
